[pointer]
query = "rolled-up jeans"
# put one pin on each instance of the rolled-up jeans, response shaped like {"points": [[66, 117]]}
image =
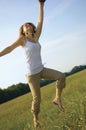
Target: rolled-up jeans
{"points": [[34, 84]]}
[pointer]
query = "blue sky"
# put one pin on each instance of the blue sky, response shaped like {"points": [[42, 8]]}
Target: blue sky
{"points": [[63, 38]]}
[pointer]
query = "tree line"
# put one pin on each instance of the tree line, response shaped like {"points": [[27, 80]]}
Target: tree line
{"points": [[20, 89], [75, 69]]}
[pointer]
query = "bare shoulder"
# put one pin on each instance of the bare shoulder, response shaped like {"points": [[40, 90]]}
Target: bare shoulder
{"points": [[21, 40]]}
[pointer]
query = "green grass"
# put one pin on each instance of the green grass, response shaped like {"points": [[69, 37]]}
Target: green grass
{"points": [[16, 114]]}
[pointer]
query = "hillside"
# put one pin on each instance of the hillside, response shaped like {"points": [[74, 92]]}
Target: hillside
{"points": [[16, 115]]}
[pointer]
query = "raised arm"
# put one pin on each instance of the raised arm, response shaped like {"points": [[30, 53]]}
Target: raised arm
{"points": [[10, 48], [40, 19]]}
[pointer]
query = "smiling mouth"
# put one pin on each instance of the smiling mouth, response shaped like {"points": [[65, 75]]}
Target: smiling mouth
{"points": [[27, 33]]}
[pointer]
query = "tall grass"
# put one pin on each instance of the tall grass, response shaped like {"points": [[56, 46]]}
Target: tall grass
{"points": [[16, 114]]}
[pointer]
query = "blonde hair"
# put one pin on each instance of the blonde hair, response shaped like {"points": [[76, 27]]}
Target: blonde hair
{"points": [[21, 32]]}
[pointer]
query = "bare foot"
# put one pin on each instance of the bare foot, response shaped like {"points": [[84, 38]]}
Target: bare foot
{"points": [[59, 104]]}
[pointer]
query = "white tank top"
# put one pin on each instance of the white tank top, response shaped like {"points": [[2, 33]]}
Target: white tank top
{"points": [[33, 58]]}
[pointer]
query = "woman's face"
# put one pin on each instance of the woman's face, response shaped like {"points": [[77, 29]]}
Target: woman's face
{"points": [[27, 28]]}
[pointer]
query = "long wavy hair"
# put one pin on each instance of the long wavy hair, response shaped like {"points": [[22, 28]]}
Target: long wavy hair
{"points": [[21, 32]]}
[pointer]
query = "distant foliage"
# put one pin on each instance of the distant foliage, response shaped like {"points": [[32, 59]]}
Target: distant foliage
{"points": [[75, 69], [13, 92]]}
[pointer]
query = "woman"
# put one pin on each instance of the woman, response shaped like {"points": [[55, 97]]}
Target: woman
{"points": [[29, 40]]}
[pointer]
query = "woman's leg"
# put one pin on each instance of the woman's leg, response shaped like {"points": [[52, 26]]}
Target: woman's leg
{"points": [[60, 84], [34, 84]]}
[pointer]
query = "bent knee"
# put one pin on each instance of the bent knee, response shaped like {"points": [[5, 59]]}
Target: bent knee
{"points": [[63, 77], [61, 82]]}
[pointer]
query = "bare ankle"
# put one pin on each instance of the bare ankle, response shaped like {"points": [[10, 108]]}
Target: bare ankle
{"points": [[35, 118], [58, 98]]}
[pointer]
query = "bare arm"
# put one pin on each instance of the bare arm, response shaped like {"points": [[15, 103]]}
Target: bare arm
{"points": [[10, 48], [40, 19]]}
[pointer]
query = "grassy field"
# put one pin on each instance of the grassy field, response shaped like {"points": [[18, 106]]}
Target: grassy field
{"points": [[16, 115]]}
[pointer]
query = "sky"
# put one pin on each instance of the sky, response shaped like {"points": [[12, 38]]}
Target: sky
{"points": [[63, 37]]}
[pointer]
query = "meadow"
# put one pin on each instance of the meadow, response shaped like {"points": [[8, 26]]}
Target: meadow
{"points": [[16, 114]]}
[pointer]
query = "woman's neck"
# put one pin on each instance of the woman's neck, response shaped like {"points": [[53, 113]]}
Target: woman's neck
{"points": [[32, 38]]}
